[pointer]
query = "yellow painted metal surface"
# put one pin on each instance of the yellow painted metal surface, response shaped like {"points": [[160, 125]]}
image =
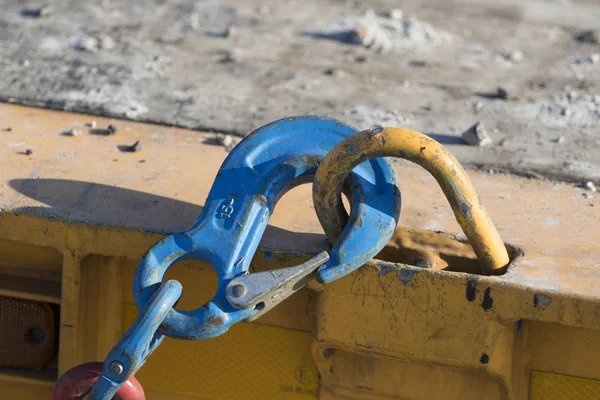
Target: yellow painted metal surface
{"points": [[75, 222], [547, 386], [266, 363]]}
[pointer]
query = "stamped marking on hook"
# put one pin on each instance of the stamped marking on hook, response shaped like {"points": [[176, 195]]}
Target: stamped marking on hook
{"points": [[226, 209]]}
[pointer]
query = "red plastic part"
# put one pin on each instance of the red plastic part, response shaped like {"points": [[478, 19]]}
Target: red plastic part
{"points": [[78, 381]]}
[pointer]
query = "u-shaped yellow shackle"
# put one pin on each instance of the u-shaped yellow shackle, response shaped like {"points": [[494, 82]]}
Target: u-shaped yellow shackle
{"points": [[431, 155]]}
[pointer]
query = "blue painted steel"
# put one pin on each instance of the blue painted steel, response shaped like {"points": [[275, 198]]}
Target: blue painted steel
{"points": [[138, 342], [258, 171]]}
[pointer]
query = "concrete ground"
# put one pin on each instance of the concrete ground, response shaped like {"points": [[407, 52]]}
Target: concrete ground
{"points": [[231, 66]]}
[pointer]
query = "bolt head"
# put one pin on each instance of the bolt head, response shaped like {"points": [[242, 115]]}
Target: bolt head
{"points": [[238, 290], [116, 368], [36, 336]]}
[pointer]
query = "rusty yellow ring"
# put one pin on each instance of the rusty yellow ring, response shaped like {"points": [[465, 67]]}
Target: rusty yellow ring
{"points": [[435, 158]]}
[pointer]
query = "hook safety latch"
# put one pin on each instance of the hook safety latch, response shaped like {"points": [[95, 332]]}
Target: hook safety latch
{"points": [[264, 290]]}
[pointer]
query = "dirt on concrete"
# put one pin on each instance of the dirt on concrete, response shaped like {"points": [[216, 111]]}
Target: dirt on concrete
{"points": [[231, 66]]}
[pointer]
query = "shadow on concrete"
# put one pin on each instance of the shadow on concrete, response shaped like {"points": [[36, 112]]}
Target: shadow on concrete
{"points": [[343, 36], [490, 95], [100, 132], [31, 13], [446, 139]]}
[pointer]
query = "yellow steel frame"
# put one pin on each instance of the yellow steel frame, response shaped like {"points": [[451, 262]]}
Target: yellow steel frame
{"points": [[390, 330]]}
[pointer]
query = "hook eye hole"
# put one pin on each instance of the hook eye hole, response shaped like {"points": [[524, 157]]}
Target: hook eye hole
{"points": [[280, 233], [199, 280]]}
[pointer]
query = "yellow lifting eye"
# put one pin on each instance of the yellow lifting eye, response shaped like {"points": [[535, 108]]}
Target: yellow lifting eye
{"points": [[431, 155]]}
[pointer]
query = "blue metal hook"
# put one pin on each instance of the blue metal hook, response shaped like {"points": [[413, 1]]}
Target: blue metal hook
{"points": [[259, 170]]}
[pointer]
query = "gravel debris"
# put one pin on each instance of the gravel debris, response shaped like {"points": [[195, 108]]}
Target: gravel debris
{"points": [[227, 141], [514, 56], [337, 72], [588, 36], [593, 58], [73, 132], [563, 109], [590, 186], [105, 42], [230, 32], [384, 33], [395, 14], [194, 22], [43, 11], [223, 139], [477, 135], [89, 44], [229, 57], [134, 148], [122, 77], [373, 37], [109, 130], [502, 93]]}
